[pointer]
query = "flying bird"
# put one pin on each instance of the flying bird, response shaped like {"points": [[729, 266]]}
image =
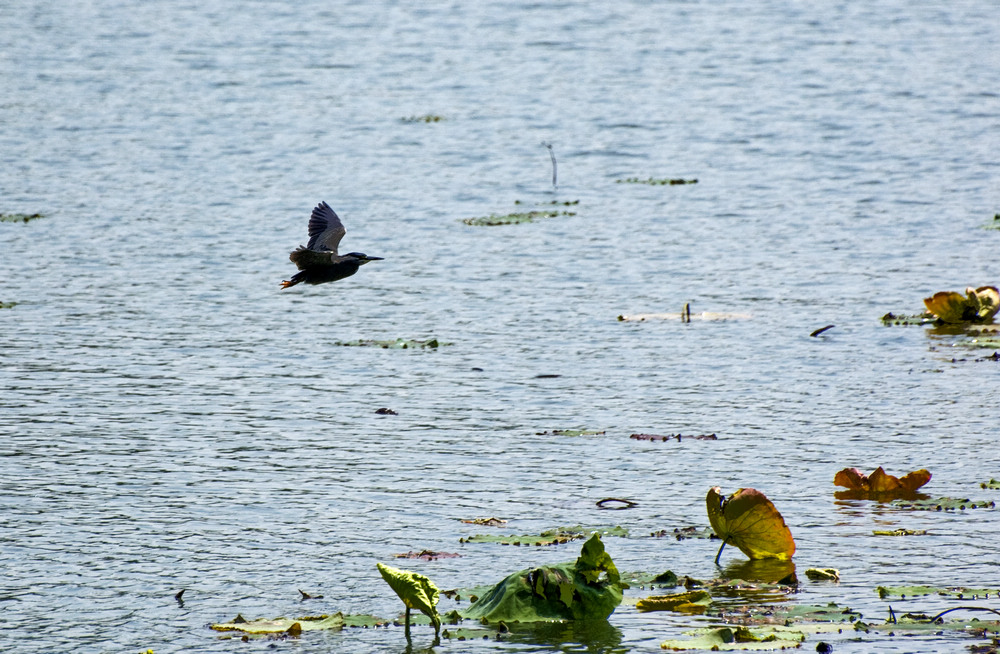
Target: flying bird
{"points": [[318, 262]]}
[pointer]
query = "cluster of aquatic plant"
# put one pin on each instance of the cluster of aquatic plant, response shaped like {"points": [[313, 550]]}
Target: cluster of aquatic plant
{"points": [[652, 181], [515, 217], [8, 305]]}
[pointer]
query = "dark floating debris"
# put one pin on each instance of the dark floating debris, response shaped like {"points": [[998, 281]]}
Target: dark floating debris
{"points": [[486, 522], [307, 596], [616, 504], [684, 533], [821, 330], [427, 555], [427, 118], [656, 182], [547, 376], [397, 344], [673, 437], [19, 217], [179, 596], [385, 411]]}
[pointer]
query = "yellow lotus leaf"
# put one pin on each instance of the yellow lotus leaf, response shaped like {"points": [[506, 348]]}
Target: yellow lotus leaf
{"points": [[978, 305], [748, 520], [692, 602], [416, 591], [879, 481]]}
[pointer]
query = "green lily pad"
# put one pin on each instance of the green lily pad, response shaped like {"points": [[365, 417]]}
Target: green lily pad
{"points": [[279, 625], [900, 319], [19, 217], [899, 532], [7, 305], [919, 623], [514, 218], [793, 614], [943, 504], [676, 181], [586, 589], [992, 484], [397, 344], [732, 639], [904, 592], [692, 601]]}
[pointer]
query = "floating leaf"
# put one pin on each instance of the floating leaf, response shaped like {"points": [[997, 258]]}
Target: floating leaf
{"points": [[486, 522], [280, 625], [8, 305], [427, 555], [899, 532], [920, 623], [570, 432], [908, 320], [943, 504], [676, 181], [729, 639], [956, 592], [559, 536], [978, 305], [749, 520], [992, 484], [693, 602], [823, 574], [514, 218], [683, 533], [416, 591], [586, 589], [19, 217], [397, 344], [879, 484], [673, 437], [427, 118]]}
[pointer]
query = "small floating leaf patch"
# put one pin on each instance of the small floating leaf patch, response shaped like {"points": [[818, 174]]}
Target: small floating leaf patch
{"points": [[19, 217], [692, 601], [651, 181], [749, 520], [397, 344], [279, 625], [514, 218]]}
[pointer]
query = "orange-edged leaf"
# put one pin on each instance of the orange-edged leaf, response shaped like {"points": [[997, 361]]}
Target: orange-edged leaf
{"points": [[851, 478], [879, 481], [748, 520]]}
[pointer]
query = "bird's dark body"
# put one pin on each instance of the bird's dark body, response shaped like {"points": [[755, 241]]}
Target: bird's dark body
{"points": [[318, 262]]}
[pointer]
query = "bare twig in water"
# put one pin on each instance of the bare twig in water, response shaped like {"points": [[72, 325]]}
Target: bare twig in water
{"points": [[821, 330], [552, 156]]}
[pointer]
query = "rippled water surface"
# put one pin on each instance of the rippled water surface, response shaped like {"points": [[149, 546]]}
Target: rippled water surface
{"points": [[172, 420]]}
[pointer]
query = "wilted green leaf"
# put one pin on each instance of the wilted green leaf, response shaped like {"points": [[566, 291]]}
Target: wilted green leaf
{"points": [[693, 601], [416, 591], [586, 589]]}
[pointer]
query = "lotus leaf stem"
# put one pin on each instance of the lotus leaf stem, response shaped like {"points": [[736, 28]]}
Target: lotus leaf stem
{"points": [[964, 608]]}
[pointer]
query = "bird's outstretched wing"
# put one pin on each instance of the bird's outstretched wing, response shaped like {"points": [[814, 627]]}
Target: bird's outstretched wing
{"points": [[325, 229]]}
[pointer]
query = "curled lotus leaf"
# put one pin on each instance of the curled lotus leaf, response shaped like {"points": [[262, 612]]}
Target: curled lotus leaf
{"points": [[879, 482], [749, 520], [978, 305], [416, 591]]}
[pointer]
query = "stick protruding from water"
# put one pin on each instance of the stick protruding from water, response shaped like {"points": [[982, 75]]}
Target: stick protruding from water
{"points": [[552, 156]]}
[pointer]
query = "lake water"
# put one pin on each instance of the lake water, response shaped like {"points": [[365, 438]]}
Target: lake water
{"points": [[172, 420]]}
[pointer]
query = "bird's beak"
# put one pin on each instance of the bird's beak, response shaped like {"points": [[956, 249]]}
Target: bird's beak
{"points": [[367, 258]]}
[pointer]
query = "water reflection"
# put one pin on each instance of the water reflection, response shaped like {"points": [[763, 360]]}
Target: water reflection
{"points": [[589, 636]]}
